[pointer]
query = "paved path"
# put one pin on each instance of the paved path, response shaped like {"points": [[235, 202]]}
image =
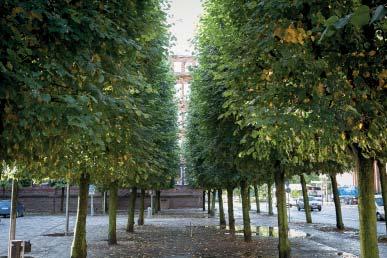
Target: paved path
{"points": [[35, 228], [346, 241]]}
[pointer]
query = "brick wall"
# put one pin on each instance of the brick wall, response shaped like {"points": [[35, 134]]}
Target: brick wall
{"points": [[43, 199]]}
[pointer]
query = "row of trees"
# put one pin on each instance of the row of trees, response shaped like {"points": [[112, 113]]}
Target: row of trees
{"points": [[287, 88], [86, 96]]}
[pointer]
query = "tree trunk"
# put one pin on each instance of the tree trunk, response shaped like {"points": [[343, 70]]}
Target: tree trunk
{"points": [[104, 208], [13, 214], [113, 200], [204, 200], [305, 198], [336, 199], [248, 196], [383, 183], [222, 220], [367, 219], [269, 199], [79, 245], [230, 207], [158, 201], [245, 211], [213, 203], [62, 199], [131, 210], [284, 245], [209, 201], [142, 208], [256, 193]]}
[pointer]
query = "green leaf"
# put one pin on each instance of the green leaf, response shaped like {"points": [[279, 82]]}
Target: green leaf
{"points": [[46, 97], [341, 23], [361, 16], [101, 78], [331, 20], [255, 134], [379, 13]]}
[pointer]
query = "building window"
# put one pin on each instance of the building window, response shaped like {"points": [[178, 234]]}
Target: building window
{"points": [[177, 67]]}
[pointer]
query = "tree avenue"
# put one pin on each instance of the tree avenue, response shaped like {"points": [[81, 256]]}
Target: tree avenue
{"points": [[87, 96], [302, 84], [283, 89]]}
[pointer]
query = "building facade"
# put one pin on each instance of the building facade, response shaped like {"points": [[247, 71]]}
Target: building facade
{"points": [[181, 65]]}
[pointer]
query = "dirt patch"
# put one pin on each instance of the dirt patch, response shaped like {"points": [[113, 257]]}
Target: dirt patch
{"points": [[156, 241]]}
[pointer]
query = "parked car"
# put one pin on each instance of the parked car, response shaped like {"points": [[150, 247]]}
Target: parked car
{"points": [[379, 208], [5, 208], [314, 203], [292, 202]]}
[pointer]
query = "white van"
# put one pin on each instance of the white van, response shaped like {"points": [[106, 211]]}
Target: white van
{"points": [[379, 208]]}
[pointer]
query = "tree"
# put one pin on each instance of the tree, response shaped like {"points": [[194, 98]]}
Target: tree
{"points": [[74, 98], [333, 106]]}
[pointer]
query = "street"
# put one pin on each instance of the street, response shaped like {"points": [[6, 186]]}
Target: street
{"points": [[328, 216]]}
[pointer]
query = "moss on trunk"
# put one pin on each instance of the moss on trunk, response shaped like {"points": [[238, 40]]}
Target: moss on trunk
{"points": [[142, 208], [367, 219], [79, 245], [305, 198], [284, 245], [245, 211], [256, 193], [222, 220], [270, 198], [230, 208], [113, 199], [131, 210], [336, 200]]}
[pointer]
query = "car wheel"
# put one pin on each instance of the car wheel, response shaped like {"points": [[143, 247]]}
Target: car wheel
{"points": [[378, 217], [319, 209], [298, 208]]}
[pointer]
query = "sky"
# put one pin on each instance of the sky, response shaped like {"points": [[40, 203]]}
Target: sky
{"points": [[184, 17]]}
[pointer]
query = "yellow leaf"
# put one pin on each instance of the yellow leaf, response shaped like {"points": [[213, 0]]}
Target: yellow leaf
{"points": [[278, 32], [96, 58], [35, 15], [372, 53], [17, 10], [266, 74], [320, 89], [382, 78]]}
